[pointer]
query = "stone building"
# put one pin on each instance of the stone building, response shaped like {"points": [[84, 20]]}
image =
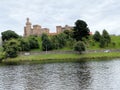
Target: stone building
{"points": [[37, 30], [60, 29]]}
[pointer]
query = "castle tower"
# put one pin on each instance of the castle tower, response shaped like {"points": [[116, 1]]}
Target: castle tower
{"points": [[27, 29], [58, 29]]}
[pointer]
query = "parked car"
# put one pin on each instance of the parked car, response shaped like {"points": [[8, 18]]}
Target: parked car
{"points": [[107, 51]]}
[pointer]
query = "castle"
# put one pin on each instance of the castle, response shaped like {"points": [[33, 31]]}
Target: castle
{"points": [[37, 30]]}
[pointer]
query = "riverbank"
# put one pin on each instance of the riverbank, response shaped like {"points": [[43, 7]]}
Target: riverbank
{"points": [[50, 58]]}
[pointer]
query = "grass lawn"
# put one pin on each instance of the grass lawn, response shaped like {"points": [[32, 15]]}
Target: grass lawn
{"points": [[46, 58]]}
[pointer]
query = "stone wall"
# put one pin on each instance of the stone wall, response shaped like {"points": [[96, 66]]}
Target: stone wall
{"points": [[37, 30]]}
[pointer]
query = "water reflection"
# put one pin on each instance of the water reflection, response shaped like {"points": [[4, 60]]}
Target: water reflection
{"points": [[102, 75]]}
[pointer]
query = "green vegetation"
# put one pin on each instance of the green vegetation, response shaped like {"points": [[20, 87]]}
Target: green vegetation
{"points": [[43, 58], [46, 43], [95, 45], [80, 30], [77, 39], [7, 35], [79, 46], [11, 48]]}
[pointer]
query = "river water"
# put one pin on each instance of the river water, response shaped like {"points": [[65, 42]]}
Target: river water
{"points": [[93, 75]]}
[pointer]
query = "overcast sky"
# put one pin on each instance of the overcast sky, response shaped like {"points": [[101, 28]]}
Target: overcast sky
{"points": [[98, 14]]}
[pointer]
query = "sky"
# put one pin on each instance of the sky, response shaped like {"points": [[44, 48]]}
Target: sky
{"points": [[98, 14]]}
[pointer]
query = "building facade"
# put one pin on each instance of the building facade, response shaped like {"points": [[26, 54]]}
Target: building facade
{"points": [[37, 30], [60, 29]]}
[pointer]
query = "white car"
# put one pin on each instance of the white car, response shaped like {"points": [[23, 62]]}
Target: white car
{"points": [[107, 51]]}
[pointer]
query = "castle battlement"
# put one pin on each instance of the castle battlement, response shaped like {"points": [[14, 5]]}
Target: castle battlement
{"points": [[37, 30]]}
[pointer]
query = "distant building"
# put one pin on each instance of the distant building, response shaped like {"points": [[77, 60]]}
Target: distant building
{"points": [[60, 29], [37, 30]]}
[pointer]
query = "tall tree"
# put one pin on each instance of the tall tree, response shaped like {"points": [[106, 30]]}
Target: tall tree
{"points": [[24, 44], [33, 42], [80, 30], [7, 35], [106, 36], [46, 43], [97, 36]]}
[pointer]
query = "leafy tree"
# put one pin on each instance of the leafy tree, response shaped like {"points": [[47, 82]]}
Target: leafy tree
{"points": [[11, 48], [80, 30], [24, 44], [68, 33], [55, 42], [46, 43], [79, 46], [97, 36], [2, 56], [59, 41], [7, 35], [102, 42], [33, 42], [106, 36]]}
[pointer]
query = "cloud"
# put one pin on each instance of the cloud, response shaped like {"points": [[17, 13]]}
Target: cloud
{"points": [[98, 14]]}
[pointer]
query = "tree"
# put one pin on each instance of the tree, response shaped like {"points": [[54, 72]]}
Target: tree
{"points": [[106, 36], [59, 41], [33, 42], [55, 42], [46, 43], [102, 42], [24, 44], [7, 35], [80, 30], [97, 36], [79, 46], [11, 48], [68, 33]]}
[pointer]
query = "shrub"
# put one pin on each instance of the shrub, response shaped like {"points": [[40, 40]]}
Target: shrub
{"points": [[79, 46]]}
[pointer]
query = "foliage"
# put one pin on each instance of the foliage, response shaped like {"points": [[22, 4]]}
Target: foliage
{"points": [[102, 42], [106, 36], [7, 35], [97, 36], [68, 33], [33, 42], [46, 43], [11, 48], [80, 30], [105, 39], [24, 44], [59, 41], [79, 46], [2, 54]]}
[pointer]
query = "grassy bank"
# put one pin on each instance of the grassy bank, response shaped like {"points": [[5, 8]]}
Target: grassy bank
{"points": [[48, 58]]}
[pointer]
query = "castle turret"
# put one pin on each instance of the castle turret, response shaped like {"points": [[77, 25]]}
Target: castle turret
{"points": [[28, 23], [27, 28]]}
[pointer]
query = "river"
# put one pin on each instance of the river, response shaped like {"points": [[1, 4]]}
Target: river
{"points": [[93, 75]]}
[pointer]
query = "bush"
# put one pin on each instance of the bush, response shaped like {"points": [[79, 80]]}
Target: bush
{"points": [[24, 44], [79, 46], [33, 42], [11, 48], [2, 56]]}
